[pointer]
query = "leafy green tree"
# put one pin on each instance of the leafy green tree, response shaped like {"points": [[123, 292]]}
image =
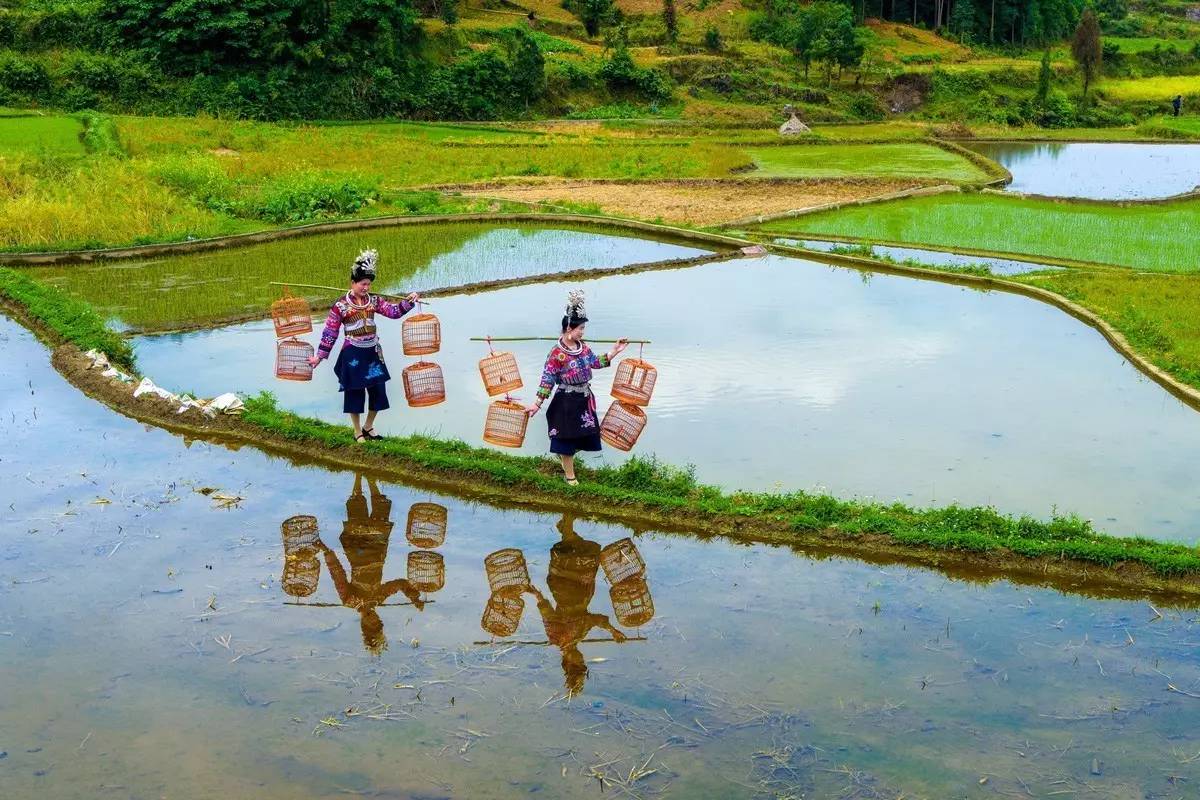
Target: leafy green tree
{"points": [[1043, 84], [671, 21], [595, 14], [1087, 48]]}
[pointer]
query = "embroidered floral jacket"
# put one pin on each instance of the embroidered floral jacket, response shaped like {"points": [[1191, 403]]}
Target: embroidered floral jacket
{"points": [[358, 321], [571, 367]]}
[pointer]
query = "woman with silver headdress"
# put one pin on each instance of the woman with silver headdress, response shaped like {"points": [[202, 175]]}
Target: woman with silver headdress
{"points": [[572, 419], [360, 368]]}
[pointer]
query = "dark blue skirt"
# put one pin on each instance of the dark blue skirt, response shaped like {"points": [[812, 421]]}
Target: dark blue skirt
{"points": [[572, 421], [360, 367]]}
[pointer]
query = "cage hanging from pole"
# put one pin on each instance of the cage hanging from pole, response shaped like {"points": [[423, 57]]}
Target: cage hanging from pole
{"points": [[423, 384], [505, 424], [621, 560], [506, 570], [301, 565], [632, 604], [500, 373], [502, 615], [291, 316], [622, 425], [427, 524], [634, 381], [426, 570], [421, 334], [291, 360]]}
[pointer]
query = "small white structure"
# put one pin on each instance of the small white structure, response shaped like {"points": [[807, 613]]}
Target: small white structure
{"points": [[793, 126]]}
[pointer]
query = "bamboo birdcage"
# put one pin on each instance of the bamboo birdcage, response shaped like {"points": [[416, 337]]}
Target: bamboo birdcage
{"points": [[500, 373], [301, 566], [505, 424], [634, 381], [426, 570], [427, 523], [291, 316], [421, 334], [424, 384], [506, 570], [631, 601], [291, 360], [502, 615], [621, 560], [622, 425]]}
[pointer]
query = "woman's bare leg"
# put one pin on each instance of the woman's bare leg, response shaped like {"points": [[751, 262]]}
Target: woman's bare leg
{"points": [[568, 465], [370, 423], [356, 421]]}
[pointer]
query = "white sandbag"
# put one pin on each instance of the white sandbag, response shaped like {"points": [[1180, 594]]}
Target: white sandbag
{"points": [[147, 387], [228, 403], [113, 372]]}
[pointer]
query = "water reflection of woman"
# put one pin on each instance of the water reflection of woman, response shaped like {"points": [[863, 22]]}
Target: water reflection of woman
{"points": [[574, 562], [364, 538]]}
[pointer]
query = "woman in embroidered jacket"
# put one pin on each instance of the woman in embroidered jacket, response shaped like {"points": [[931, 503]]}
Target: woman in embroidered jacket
{"points": [[571, 418], [360, 369]]}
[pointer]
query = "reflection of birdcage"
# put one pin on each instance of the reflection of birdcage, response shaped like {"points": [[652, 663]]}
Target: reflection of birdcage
{"points": [[621, 560], [301, 569], [424, 384], [291, 360], [502, 615], [505, 424], [426, 570], [427, 524], [622, 425], [500, 373], [634, 382], [506, 570], [291, 316], [631, 602], [422, 335]]}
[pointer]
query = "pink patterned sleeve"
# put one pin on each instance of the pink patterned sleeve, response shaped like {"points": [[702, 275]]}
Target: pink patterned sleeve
{"points": [[333, 324], [393, 310]]}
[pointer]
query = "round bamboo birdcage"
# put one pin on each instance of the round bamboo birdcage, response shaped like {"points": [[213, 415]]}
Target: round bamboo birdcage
{"points": [[505, 424], [634, 382], [422, 335], [622, 425], [426, 570], [291, 316], [291, 360], [424, 384], [427, 523], [631, 601], [506, 570], [621, 560], [502, 615], [500, 373], [301, 567]]}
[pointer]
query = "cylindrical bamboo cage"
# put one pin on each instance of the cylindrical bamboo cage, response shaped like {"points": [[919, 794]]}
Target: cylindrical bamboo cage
{"points": [[506, 570], [426, 570], [427, 523], [502, 615], [505, 424], [301, 566], [424, 384], [631, 601], [291, 316], [622, 425], [500, 373], [291, 360], [621, 560], [422, 335], [634, 382]]}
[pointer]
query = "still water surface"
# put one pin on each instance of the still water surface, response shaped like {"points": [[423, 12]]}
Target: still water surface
{"points": [[149, 648], [782, 372], [1100, 171]]}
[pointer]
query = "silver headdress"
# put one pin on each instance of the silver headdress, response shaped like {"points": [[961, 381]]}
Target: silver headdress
{"points": [[575, 305], [364, 265]]}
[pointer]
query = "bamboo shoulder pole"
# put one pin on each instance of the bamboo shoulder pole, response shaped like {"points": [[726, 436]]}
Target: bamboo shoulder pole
{"points": [[335, 289], [549, 339]]}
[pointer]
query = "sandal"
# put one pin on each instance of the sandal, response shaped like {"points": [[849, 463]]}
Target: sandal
{"points": [[571, 481], [360, 438], [370, 434]]}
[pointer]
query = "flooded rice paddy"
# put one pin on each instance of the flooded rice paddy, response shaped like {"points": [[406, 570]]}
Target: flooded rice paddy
{"points": [[933, 258], [781, 373], [158, 639], [165, 292], [1098, 171]]}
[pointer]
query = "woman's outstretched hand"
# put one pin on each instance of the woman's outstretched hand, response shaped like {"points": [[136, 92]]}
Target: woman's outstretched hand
{"points": [[313, 361], [618, 348], [414, 298], [532, 409]]}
